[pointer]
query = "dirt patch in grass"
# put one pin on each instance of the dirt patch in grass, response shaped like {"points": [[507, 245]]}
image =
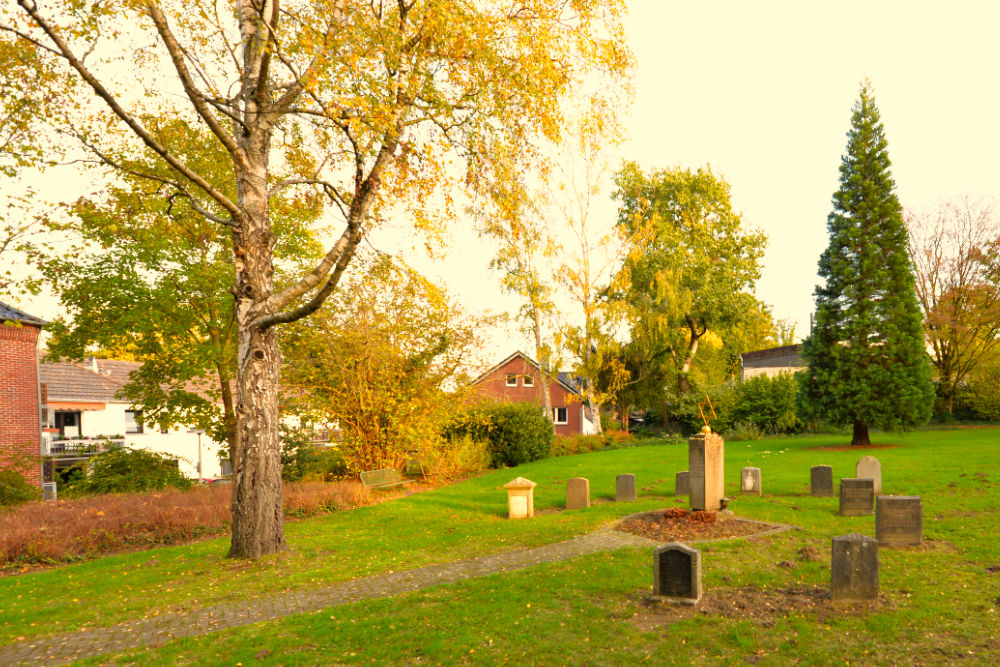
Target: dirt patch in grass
{"points": [[680, 525], [759, 605]]}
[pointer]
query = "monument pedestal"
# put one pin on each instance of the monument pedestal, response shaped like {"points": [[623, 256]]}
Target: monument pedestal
{"points": [[706, 471]]}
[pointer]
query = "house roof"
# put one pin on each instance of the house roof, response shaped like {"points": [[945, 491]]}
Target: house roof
{"points": [[11, 314], [561, 378], [786, 355], [79, 383]]}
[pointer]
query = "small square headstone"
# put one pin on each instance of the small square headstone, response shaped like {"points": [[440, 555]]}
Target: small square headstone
{"points": [[854, 569], [625, 488], [857, 496], [49, 491], [821, 481], [869, 468], [682, 483], [677, 573], [577, 493], [750, 481], [899, 520]]}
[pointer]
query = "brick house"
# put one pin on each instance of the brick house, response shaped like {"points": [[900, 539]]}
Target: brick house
{"points": [[20, 401], [772, 362], [518, 379]]}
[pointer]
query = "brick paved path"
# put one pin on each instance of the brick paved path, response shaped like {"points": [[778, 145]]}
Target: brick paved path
{"points": [[159, 629]]}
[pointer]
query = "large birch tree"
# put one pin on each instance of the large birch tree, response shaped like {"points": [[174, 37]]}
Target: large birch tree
{"points": [[373, 104]]}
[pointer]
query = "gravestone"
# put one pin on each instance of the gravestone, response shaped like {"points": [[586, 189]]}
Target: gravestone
{"points": [[677, 573], [869, 468], [49, 491], [899, 521], [682, 484], [625, 488], [706, 473], [854, 569], [857, 496], [821, 481], [750, 481], [577, 493]]}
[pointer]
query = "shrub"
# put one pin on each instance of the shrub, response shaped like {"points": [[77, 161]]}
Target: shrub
{"points": [[456, 457], [767, 404], [515, 432], [566, 445], [301, 459], [14, 489], [125, 471]]}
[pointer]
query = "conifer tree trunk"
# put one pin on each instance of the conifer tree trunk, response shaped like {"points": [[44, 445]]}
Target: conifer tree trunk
{"points": [[860, 436]]}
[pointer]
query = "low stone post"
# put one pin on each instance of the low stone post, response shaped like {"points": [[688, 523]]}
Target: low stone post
{"points": [[520, 498], [625, 488], [682, 483]]}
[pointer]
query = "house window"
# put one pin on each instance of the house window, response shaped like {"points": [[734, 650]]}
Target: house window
{"points": [[133, 421], [511, 381], [528, 381], [560, 415]]}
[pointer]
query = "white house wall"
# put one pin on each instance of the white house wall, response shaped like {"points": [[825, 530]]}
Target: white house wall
{"points": [[176, 443]]}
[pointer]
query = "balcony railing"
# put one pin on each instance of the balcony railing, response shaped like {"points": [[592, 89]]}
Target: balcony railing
{"points": [[77, 447]]}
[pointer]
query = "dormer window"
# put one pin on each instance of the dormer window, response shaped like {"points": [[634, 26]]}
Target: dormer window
{"points": [[511, 381]]}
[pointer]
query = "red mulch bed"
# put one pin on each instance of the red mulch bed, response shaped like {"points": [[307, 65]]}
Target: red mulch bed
{"points": [[680, 525]]}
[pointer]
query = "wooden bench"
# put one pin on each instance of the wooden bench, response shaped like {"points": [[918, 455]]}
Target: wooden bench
{"points": [[376, 479]]}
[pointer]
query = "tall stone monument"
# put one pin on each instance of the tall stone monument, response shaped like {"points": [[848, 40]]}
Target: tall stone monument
{"points": [[706, 471]]}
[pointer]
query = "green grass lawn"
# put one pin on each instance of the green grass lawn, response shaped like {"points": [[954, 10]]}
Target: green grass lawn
{"points": [[941, 601]]}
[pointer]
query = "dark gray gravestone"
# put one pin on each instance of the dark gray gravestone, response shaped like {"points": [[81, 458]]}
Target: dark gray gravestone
{"points": [[625, 488], [750, 481], [682, 483], [854, 569], [677, 573], [49, 491], [899, 520], [577, 493], [821, 481], [869, 468], [857, 496]]}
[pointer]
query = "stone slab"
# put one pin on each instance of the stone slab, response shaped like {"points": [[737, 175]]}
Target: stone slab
{"points": [[750, 481], [625, 488], [854, 569], [899, 521], [677, 573], [682, 483], [706, 471], [577, 493], [868, 467], [821, 481], [857, 496]]}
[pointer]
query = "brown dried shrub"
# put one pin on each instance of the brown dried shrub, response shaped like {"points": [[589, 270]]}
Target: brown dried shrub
{"points": [[65, 530]]}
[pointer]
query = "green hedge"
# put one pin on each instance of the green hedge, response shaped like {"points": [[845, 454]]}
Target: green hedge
{"points": [[515, 432], [125, 471]]}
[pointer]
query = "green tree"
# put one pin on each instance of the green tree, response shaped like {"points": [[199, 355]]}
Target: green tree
{"points": [[866, 357], [367, 104], [689, 269]]}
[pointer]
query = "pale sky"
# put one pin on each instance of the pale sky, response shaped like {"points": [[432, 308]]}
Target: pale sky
{"points": [[762, 91]]}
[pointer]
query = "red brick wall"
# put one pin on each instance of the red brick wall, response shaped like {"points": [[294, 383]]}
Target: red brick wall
{"points": [[493, 387], [19, 410]]}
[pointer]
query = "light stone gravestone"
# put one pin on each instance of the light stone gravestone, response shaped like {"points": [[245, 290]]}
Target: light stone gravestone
{"points": [[625, 488], [899, 520], [577, 493], [49, 491], [857, 496], [854, 569], [706, 471], [869, 468], [682, 483], [821, 481], [520, 498], [677, 573], [750, 481]]}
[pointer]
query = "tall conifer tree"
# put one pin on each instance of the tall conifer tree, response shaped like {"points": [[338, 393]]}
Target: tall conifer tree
{"points": [[866, 356]]}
